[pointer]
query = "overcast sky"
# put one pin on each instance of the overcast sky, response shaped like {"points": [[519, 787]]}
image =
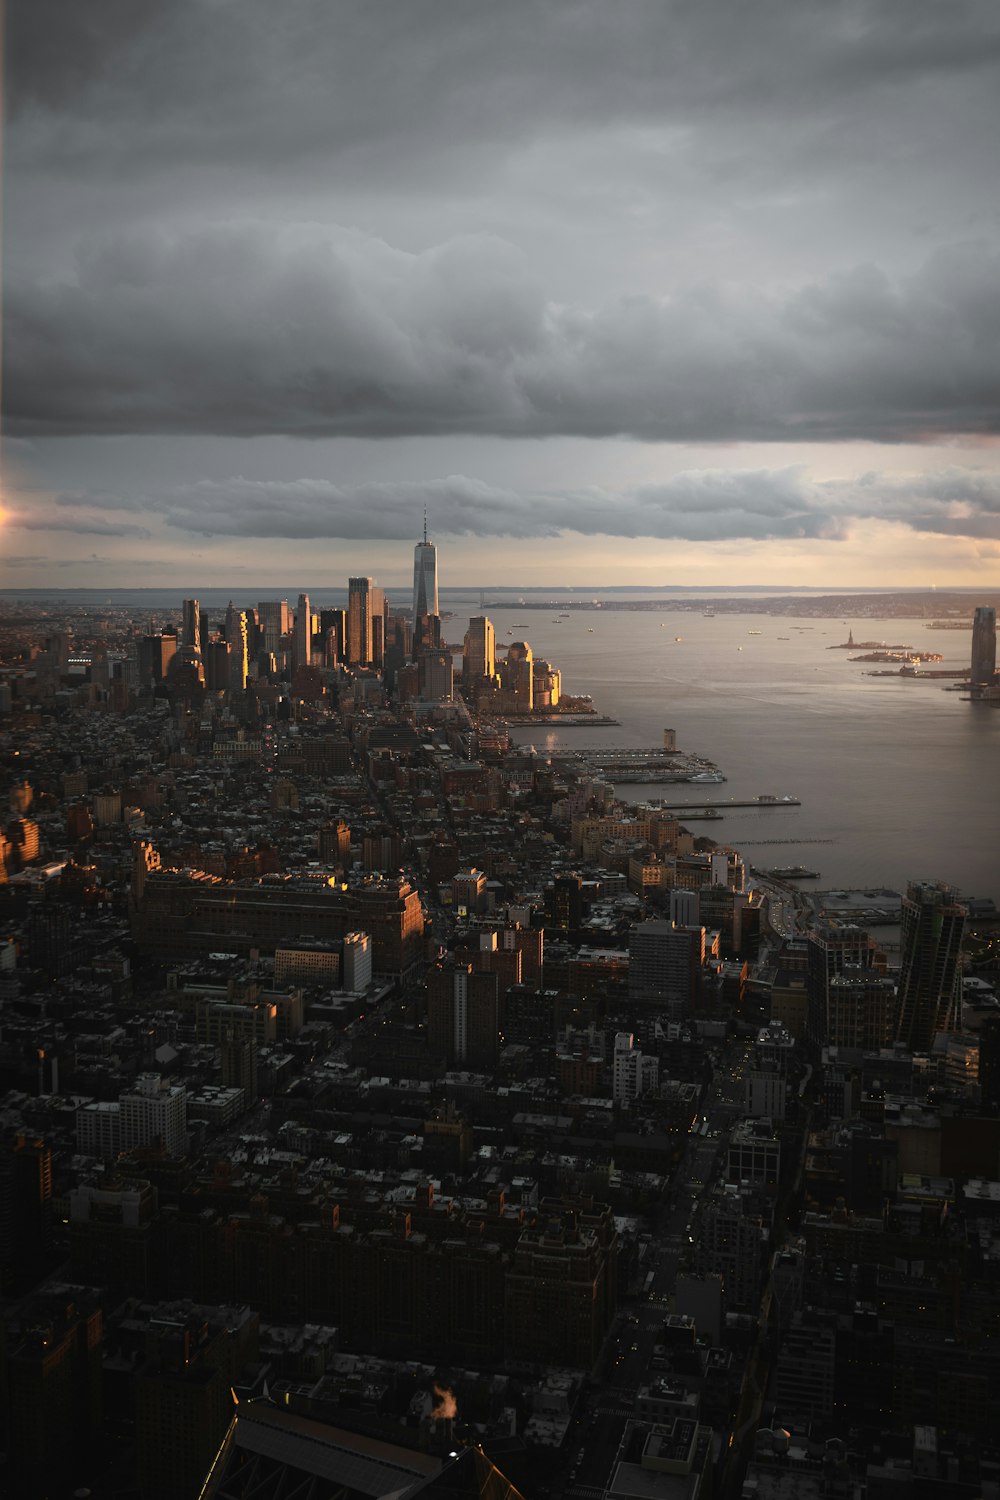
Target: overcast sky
{"points": [[686, 291]]}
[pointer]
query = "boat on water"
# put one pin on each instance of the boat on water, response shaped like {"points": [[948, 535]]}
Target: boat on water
{"points": [[771, 799], [678, 637], [755, 632], [793, 872], [709, 613], [707, 776]]}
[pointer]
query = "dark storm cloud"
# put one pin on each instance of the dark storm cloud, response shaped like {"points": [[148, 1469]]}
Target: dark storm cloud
{"points": [[663, 220], [698, 505], [253, 80], [243, 330]]}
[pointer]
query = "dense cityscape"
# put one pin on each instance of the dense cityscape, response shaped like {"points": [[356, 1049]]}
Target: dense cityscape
{"points": [[499, 726], [385, 1099]]}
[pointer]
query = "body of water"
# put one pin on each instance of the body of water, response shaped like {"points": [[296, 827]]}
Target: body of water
{"points": [[898, 779]]}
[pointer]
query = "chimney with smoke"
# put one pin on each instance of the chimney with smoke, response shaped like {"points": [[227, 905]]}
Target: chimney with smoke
{"points": [[441, 1418]]}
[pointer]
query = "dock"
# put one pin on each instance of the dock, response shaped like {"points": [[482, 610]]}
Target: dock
{"points": [[730, 802]]}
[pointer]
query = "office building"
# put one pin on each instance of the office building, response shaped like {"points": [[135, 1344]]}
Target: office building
{"points": [[754, 1153], [685, 908], [25, 1212], [98, 1129], [861, 1009], [463, 1016], [275, 620], [665, 962], [155, 654], [154, 1113], [238, 1063], [930, 974], [425, 580], [546, 684], [365, 623], [238, 637], [984, 646], [183, 1392], [357, 970], [436, 677], [479, 653], [831, 949], [50, 1370], [333, 633], [302, 635], [518, 677], [561, 1290], [191, 626], [634, 1073]]}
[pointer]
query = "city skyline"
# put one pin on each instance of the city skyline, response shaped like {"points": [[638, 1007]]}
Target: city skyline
{"points": [[684, 295]]}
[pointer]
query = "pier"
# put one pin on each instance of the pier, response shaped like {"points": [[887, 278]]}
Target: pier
{"points": [[706, 806]]}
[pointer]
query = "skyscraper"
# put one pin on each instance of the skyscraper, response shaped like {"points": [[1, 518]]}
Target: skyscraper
{"points": [[302, 639], [191, 626], [359, 621], [984, 645], [425, 578], [275, 622], [365, 623], [479, 653], [930, 975], [832, 948], [237, 635]]}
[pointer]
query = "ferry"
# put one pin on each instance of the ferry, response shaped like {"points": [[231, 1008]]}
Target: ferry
{"points": [[706, 776]]}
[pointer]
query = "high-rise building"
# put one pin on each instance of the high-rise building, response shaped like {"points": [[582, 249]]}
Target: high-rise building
{"points": [[191, 626], [436, 676], [25, 1212], [155, 653], [479, 652], [832, 949], [365, 623], [634, 1072], [561, 1290], [861, 1009], [357, 967], [665, 961], [930, 974], [333, 632], [238, 636], [154, 1112], [463, 1016], [275, 619], [302, 638], [984, 646], [425, 579], [518, 675], [546, 684], [50, 1369]]}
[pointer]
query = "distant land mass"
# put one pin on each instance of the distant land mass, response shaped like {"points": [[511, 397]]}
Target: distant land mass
{"points": [[917, 605]]}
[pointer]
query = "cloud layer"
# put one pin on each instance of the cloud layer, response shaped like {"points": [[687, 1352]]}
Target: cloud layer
{"points": [[706, 505], [249, 330], [521, 240]]}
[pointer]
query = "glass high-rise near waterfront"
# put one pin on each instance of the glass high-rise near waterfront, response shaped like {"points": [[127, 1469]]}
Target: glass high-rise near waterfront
{"points": [[930, 974], [984, 645], [425, 578]]}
